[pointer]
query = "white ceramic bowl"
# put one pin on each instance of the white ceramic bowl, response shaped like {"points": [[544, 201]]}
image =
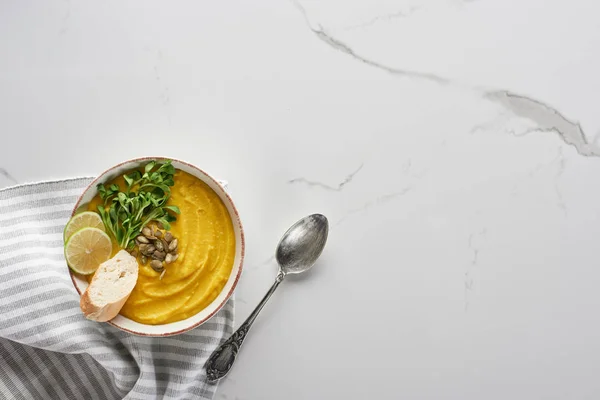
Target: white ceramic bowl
{"points": [[173, 328]]}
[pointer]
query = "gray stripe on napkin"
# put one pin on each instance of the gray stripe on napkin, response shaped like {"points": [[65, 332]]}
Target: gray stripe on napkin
{"points": [[48, 350]]}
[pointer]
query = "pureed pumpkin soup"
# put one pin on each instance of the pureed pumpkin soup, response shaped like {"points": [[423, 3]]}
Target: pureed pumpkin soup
{"points": [[205, 251]]}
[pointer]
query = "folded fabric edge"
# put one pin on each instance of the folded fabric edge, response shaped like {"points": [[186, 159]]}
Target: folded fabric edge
{"points": [[26, 184], [222, 182], [18, 186]]}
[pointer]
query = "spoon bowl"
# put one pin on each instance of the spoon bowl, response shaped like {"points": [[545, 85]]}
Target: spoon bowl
{"points": [[302, 244]]}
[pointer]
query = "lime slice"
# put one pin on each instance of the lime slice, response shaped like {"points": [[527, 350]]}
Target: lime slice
{"points": [[87, 219], [86, 249]]}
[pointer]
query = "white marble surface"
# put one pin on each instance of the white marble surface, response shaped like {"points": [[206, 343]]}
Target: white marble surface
{"points": [[452, 144]]}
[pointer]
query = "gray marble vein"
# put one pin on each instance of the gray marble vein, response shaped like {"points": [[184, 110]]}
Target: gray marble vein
{"points": [[337, 44], [7, 175], [562, 164], [474, 248], [385, 198], [65, 19], [163, 95], [386, 17], [547, 118], [398, 14], [325, 186]]}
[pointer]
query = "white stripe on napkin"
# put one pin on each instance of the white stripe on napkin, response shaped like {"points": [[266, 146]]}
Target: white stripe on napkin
{"points": [[48, 349]]}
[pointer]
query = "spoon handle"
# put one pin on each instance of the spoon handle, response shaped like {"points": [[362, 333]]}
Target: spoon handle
{"points": [[221, 360]]}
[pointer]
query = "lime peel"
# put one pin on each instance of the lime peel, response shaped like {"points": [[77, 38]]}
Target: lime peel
{"points": [[86, 249], [86, 219]]}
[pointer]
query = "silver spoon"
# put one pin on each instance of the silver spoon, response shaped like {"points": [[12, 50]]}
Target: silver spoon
{"points": [[297, 251]]}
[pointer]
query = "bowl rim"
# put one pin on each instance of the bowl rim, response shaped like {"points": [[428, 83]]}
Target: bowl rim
{"points": [[237, 216]]}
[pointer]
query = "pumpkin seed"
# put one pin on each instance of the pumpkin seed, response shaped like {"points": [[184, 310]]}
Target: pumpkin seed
{"points": [[173, 245], [142, 239], [134, 253], [160, 225], [157, 265], [159, 245], [168, 237], [144, 260], [162, 274], [158, 234], [150, 248], [159, 255], [147, 232], [172, 258]]}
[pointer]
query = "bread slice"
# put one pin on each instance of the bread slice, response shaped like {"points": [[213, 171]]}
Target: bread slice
{"points": [[110, 287]]}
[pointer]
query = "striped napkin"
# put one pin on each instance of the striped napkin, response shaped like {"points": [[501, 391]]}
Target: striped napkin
{"points": [[48, 350]]}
